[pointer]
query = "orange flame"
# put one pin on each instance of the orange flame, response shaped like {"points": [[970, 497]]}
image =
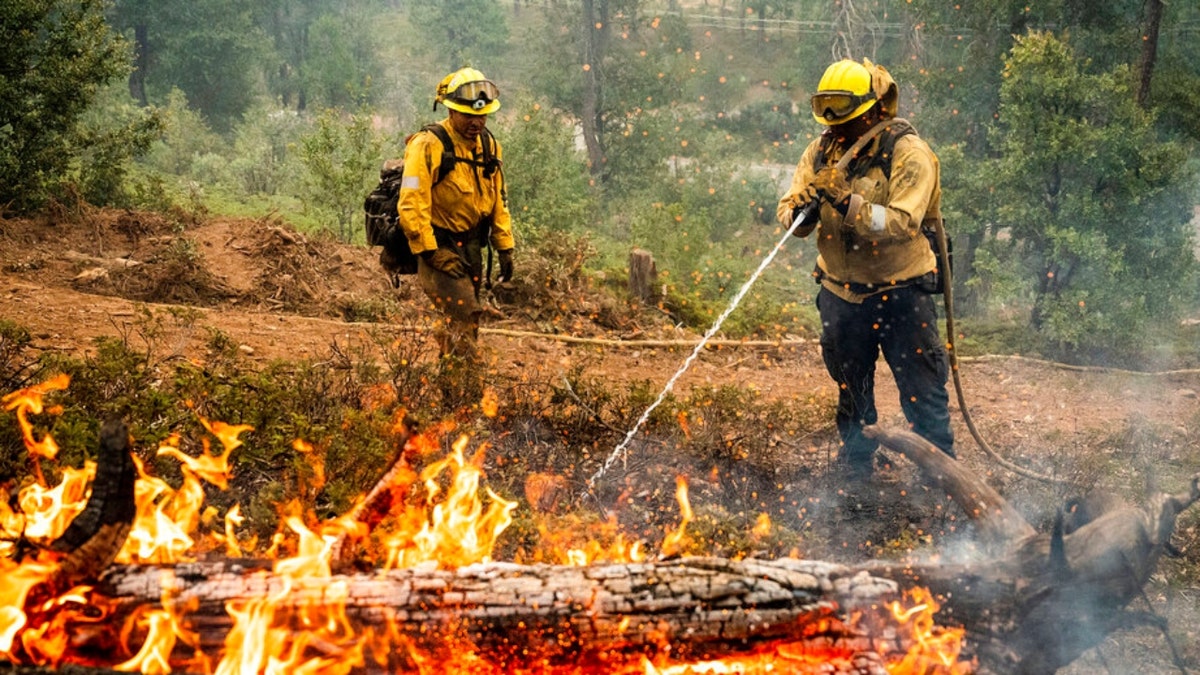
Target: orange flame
{"points": [[167, 518], [674, 541], [29, 400], [452, 529], [301, 625]]}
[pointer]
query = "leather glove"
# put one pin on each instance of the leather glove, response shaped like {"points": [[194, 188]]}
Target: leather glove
{"points": [[506, 264], [446, 261], [802, 199], [833, 187]]}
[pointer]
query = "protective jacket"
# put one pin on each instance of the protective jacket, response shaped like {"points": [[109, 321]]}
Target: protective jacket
{"points": [[460, 201], [878, 244]]}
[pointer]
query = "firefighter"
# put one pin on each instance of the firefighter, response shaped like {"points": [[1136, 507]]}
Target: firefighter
{"points": [[449, 217], [875, 267]]}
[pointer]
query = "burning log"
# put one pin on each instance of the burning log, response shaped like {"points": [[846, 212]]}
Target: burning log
{"points": [[701, 607], [1035, 604], [96, 535]]}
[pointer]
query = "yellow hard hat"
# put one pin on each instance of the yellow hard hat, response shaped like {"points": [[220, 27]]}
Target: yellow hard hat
{"points": [[468, 91], [844, 93]]}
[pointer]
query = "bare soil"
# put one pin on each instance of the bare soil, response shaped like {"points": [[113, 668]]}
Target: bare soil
{"points": [[70, 278]]}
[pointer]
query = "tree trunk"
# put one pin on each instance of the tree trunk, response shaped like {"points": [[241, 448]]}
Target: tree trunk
{"points": [[1154, 12], [141, 64], [595, 29]]}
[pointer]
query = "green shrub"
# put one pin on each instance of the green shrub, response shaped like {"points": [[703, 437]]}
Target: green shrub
{"points": [[57, 55]]}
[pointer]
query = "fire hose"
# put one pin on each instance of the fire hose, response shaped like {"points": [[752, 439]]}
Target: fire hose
{"points": [[952, 352]]}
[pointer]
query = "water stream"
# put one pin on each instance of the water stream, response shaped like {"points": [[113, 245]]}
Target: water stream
{"points": [[621, 451]]}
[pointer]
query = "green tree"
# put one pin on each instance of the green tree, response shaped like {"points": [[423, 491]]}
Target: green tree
{"points": [[462, 32], [1097, 205], [213, 50], [545, 177], [55, 56], [342, 155], [339, 71]]}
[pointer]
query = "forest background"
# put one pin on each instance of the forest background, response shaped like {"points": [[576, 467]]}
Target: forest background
{"points": [[1066, 131]]}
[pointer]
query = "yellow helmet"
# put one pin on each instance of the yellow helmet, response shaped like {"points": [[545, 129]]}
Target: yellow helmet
{"points": [[844, 93], [468, 91]]}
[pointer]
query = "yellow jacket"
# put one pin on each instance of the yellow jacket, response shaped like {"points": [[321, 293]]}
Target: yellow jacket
{"points": [[459, 201], [879, 243]]}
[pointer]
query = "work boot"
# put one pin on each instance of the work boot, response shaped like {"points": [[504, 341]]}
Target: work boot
{"points": [[855, 471]]}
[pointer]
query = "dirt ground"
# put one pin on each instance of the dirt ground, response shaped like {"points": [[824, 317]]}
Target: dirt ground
{"points": [[71, 278]]}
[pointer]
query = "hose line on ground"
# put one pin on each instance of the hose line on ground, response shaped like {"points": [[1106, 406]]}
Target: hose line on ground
{"points": [[952, 350]]}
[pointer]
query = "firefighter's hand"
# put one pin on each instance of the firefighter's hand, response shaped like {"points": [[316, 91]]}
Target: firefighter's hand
{"points": [[506, 264], [832, 186], [802, 199], [446, 261]]}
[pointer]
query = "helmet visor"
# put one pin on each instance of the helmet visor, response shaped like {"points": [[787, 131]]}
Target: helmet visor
{"points": [[835, 105], [475, 95]]}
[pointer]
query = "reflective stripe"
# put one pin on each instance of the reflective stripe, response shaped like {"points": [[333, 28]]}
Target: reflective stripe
{"points": [[878, 218], [410, 182]]}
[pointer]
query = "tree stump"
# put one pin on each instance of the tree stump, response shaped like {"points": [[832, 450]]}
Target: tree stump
{"points": [[643, 276]]}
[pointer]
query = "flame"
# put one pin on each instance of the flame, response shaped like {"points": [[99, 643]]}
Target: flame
{"points": [[48, 511], [674, 541], [301, 624], [934, 649], [272, 636], [166, 517], [19, 580], [164, 628], [29, 400], [452, 528]]}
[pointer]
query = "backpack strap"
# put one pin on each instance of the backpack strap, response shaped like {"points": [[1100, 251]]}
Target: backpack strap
{"points": [[490, 163], [859, 165], [448, 157]]}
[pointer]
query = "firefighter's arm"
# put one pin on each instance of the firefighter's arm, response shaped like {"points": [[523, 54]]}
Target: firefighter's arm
{"points": [[800, 191], [914, 181], [416, 192]]}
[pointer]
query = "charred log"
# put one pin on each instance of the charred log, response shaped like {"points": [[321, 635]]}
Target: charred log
{"points": [[96, 535], [1053, 596], [522, 614]]}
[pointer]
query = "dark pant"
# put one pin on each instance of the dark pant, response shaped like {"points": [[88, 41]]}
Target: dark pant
{"points": [[457, 298], [902, 323]]}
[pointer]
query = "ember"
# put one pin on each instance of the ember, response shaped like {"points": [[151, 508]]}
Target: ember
{"points": [[305, 615]]}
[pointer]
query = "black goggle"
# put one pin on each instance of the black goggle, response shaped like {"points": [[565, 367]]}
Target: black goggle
{"points": [[478, 95], [834, 105]]}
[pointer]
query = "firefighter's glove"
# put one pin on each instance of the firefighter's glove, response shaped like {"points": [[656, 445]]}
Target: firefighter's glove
{"points": [[506, 264], [832, 186], [802, 199], [446, 261]]}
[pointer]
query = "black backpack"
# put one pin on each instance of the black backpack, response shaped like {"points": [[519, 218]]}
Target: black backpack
{"points": [[380, 206]]}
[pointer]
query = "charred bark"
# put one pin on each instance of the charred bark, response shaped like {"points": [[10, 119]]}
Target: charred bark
{"points": [[96, 535], [525, 614]]}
